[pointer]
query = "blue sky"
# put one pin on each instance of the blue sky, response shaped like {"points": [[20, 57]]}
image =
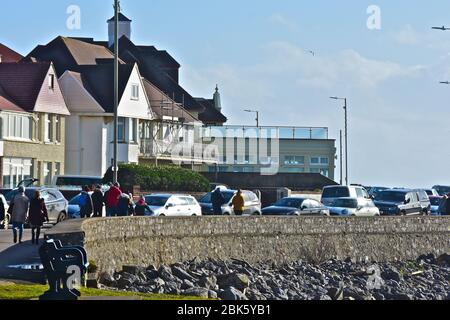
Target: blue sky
{"points": [[255, 51]]}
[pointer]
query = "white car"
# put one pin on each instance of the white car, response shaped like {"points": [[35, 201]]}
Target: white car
{"points": [[173, 205], [351, 207], [4, 224]]}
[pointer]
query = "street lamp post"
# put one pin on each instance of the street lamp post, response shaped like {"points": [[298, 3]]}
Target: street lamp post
{"points": [[346, 137], [116, 89], [257, 116]]}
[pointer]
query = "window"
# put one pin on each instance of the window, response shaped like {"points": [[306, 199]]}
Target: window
{"points": [[134, 128], [48, 128], [47, 173], [294, 160], [16, 126], [51, 81], [57, 169], [58, 128], [323, 171], [135, 92], [319, 161], [15, 170], [121, 129]]}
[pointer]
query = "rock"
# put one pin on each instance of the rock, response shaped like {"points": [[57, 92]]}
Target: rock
{"points": [[401, 296], [391, 274], [280, 294], [232, 294], [165, 273], [208, 282], [235, 280], [212, 294], [107, 279], [124, 283], [337, 293], [133, 269], [443, 260], [181, 274], [187, 285], [196, 292], [151, 274], [172, 288], [158, 282]]}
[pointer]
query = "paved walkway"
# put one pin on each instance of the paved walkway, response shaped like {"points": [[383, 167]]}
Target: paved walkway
{"points": [[17, 260]]}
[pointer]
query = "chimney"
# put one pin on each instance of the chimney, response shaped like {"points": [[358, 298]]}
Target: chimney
{"points": [[216, 98], [124, 28]]}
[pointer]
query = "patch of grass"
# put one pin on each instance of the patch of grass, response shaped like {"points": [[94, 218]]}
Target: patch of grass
{"points": [[28, 292]]}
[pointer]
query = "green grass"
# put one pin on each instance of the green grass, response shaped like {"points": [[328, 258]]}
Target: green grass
{"points": [[28, 292]]}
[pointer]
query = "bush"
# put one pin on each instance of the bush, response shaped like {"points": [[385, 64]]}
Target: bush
{"points": [[161, 178]]}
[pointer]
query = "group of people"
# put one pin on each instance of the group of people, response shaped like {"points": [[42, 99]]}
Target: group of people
{"points": [[116, 203], [218, 200], [26, 211]]}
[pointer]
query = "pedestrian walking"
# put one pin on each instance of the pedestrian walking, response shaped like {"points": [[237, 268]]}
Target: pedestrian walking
{"points": [[238, 203], [217, 201], [19, 212], [85, 203], [37, 215], [142, 207], [97, 201], [112, 200], [2, 215]]}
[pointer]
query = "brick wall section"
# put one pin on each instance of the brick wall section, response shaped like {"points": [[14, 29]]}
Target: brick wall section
{"points": [[112, 243]]}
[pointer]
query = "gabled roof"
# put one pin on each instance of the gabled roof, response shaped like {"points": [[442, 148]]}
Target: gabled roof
{"points": [[6, 103], [122, 18], [211, 115], [22, 82], [163, 106], [9, 55], [98, 80]]}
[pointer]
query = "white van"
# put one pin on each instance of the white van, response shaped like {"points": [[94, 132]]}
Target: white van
{"points": [[331, 193]]}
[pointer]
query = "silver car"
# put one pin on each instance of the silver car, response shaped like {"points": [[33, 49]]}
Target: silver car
{"points": [[57, 205]]}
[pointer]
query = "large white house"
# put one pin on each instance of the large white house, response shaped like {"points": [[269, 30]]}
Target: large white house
{"points": [[90, 127]]}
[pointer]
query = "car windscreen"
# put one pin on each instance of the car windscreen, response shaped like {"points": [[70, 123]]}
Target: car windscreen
{"points": [[442, 190], [156, 201], [346, 203], [335, 192], [435, 201], [289, 203], [391, 196], [227, 195]]}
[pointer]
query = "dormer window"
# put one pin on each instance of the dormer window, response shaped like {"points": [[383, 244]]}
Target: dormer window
{"points": [[135, 92], [51, 82]]}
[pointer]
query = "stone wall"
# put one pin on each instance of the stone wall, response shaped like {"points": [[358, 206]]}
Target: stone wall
{"points": [[115, 242]]}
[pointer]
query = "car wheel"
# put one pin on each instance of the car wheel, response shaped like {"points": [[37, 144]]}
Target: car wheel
{"points": [[403, 213], [256, 214], [62, 217], [162, 215]]}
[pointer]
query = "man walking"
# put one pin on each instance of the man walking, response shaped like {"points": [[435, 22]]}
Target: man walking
{"points": [[97, 201], [19, 213], [85, 203], [217, 201], [238, 203]]}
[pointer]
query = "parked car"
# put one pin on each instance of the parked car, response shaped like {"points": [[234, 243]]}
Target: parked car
{"points": [[74, 207], [331, 193], [4, 224], [350, 207], [436, 202], [399, 202], [424, 201], [442, 190], [252, 203], [296, 206], [173, 205], [432, 192], [57, 205], [214, 185], [373, 191]]}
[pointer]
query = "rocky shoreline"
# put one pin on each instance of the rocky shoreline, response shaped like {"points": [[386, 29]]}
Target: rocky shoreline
{"points": [[427, 278]]}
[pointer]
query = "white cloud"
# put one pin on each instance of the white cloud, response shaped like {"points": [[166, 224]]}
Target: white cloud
{"points": [[408, 36], [282, 20]]}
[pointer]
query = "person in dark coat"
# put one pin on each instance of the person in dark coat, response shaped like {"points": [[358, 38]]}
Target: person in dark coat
{"points": [[123, 206], [2, 214], [141, 207], [217, 201], [37, 215], [97, 201], [85, 203]]}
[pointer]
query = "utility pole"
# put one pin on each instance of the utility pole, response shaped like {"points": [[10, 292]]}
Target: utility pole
{"points": [[346, 137], [340, 158], [116, 89]]}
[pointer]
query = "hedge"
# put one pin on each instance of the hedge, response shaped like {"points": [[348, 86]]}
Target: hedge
{"points": [[161, 178]]}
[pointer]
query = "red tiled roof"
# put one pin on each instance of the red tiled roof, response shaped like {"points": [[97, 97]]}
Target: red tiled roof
{"points": [[9, 55], [22, 82], [6, 104]]}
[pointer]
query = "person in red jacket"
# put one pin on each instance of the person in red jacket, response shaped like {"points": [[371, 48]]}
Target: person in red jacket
{"points": [[112, 200]]}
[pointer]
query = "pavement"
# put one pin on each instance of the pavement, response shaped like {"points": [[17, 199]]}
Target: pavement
{"points": [[18, 262]]}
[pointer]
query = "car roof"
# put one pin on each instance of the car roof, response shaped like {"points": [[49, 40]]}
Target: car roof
{"points": [[398, 190], [166, 195], [75, 176]]}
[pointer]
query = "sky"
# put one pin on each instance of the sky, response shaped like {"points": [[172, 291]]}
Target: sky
{"points": [[257, 51]]}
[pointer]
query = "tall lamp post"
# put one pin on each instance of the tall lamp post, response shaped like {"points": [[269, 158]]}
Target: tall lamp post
{"points": [[257, 116], [116, 88], [346, 136]]}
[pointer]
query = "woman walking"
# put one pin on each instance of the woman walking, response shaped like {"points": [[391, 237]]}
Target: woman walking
{"points": [[37, 215]]}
